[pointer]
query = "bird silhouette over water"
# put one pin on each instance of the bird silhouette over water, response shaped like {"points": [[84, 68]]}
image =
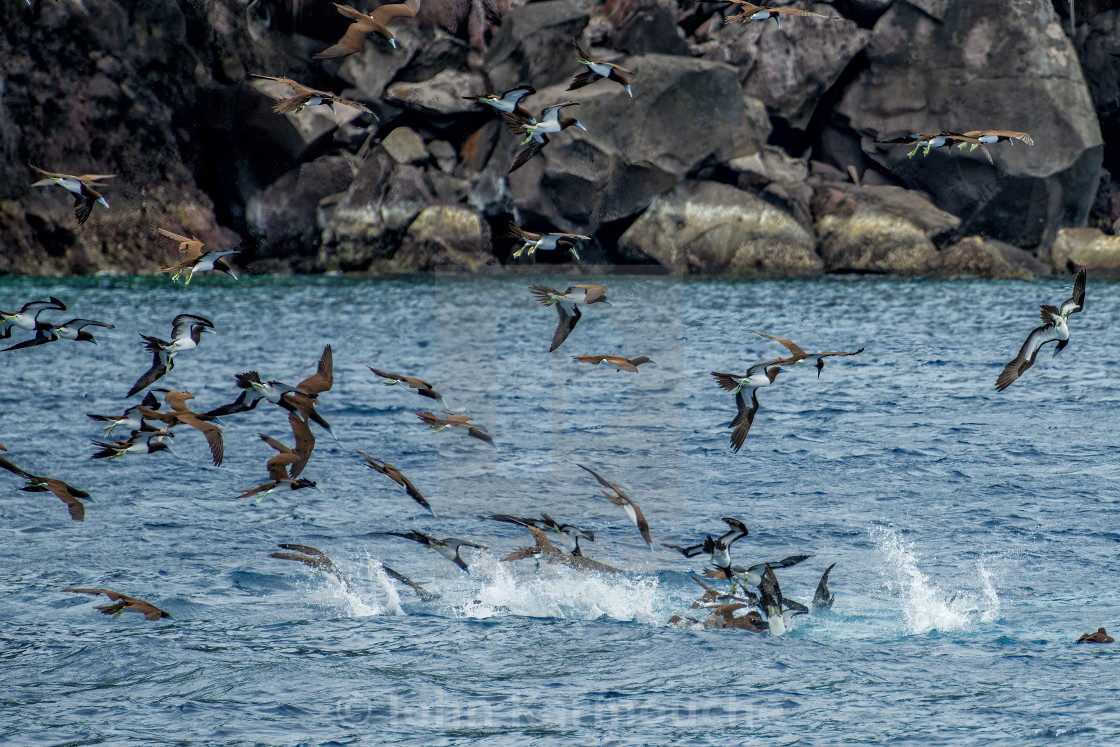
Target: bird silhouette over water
{"points": [[122, 602]]}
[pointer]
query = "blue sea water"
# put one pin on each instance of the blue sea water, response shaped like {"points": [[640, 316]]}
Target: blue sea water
{"points": [[974, 532]]}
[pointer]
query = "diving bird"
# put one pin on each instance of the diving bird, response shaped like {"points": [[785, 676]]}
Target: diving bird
{"points": [[546, 242], [536, 133], [195, 260], [568, 535], [752, 12], [305, 97], [66, 493], [621, 363], [421, 387], [71, 330], [799, 356], [509, 101], [131, 420], [623, 501], [140, 442], [254, 390], [1054, 329], [180, 414], [186, 333], [285, 467], [718, 549], [752, 576], [597, 69], [545, 549], [317, 559], [82, 187], [723, 616], [1099, 637], [448, 547], [778, 610], [744, 415], [823, 598], [122, 602], [567, 306], [375, 22], [437, 424], [27, 317], [302, 401], [395, 475], [713, 597]]}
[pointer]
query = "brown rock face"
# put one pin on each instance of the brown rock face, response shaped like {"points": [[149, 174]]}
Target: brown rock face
{"points": [[445, 236], [1090, 248], [988, 258], [939, 65], [714, 228]]}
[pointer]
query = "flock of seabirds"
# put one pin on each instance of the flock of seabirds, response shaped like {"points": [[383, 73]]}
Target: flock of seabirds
{"points": [[752, 600]]}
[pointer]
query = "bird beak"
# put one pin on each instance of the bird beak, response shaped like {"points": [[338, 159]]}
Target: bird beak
{"points": [[102, 201], [393, 41], [629, 91], [608, 303], [580, 124], [208, 329], [319, 489], [331, 431]]}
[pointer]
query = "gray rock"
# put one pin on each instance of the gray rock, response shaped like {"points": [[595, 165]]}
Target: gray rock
{"points": [[369, 222], [647, 27], [878, 229], [966, 66], [534, 45], [445, 236], [636, 149], [987, 258], [283, 215], [378, 64], [1090, 248], [405, 146], [790, 67], [442, 94], [711, 228]]}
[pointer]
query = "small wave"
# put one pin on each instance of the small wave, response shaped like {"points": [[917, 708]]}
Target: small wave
{"points": [[926, 606]]}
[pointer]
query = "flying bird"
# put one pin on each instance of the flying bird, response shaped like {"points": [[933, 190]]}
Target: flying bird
{"points": [[180, 414], [536, 132], [27, 317], [448, 547], [131, 420], [82, 187], [623, 501], [186, 333], [1054, 329], [395, 475], [140, 442], [305, 97], [567, 306], [421, 387], [799, 356], [317, 559], [568, 535], [545, 549], [546, 242], [719, 549], [71, 330], [752, 12], [437, 424], [744, 415], [375, 22], [285, 467], [597, 70], [509, 101], [65, 492], [195, 260], [621, 363], [983, 138], [122, 602]]}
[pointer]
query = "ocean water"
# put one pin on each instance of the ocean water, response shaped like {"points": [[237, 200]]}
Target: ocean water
{"points": [[974, 533]]}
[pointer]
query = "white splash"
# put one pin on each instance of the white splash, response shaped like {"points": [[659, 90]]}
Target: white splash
{"points": [[925, 605], [561, 592]]}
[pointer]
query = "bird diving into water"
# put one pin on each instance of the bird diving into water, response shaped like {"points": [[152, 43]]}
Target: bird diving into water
{"points": [[567, 306], [619, 498], [1054, 329], [394, 474]]}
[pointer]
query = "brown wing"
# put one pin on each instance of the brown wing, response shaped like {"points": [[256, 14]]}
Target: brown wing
{"points": [[726, 381], [622, 363], [565, 326], [744, 419], [212, 433], [351, 42], [543, 293], [259, 489], [66, 493], [349, 102], [114, 595], [278, 465], [290, 105], [594, 293], [385, 13], [190, 248], [5, 464], [543, 546], [149, 610], [526, 155], [517, 232], [639, 517], [797, 12], [323, 378], [592, 359], [792, 346], [297, 88], [305, 443], [480, 433], [275, 444], [747, 7], [1050, 314]]}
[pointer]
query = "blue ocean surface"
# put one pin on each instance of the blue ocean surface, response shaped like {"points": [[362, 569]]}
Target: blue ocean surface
{"points": [[974, 533]]}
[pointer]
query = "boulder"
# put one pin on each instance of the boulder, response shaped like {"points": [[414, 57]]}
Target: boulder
{"points": [[445, 236], [405, 146], [534, 45], [636, 149], [987, 258], [878, 229], [1090, 248], [790, 68], [710, 228], [370, 221], [936, 65], [283, 215], [442, 94], [645, 27]]}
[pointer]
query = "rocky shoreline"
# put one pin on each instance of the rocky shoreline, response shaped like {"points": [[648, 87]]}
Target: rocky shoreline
{"points": [[747, 149]]}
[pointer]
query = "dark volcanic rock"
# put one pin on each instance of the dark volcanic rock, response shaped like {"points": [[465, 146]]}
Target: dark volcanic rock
{"points": [[711, 228], [527, 48], [635, 149], [971, 66]]}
